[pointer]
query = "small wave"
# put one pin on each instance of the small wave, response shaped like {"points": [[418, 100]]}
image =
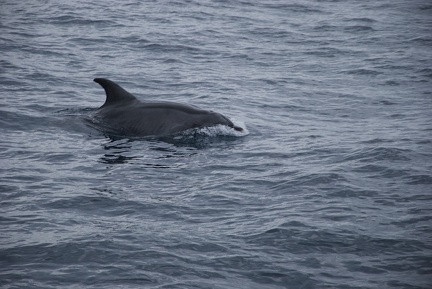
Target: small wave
{"points": [[422, 40], [359, 28], [157, 47], [420, 180], [361, 19], [295, 8], [75, 111], [378, 154], [425, 7], [362, 71], [77, 20]]}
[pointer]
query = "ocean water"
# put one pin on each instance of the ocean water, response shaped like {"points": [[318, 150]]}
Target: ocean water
{"points": [[330, 186]]}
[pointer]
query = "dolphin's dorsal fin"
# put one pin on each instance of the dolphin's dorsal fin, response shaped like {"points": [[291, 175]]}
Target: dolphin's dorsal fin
{"points": [[114, 92]]}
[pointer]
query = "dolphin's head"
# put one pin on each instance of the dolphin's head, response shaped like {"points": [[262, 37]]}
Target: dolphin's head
{"points": [[214, 118]]}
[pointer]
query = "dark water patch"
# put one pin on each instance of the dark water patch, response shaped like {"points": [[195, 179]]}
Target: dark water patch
{"points": [[425, 7], [174, 61], [371, 169], [426, 72], [325, 28], [271, 32], [422, 40], [358, 29], [361, 20], [413, 221], [171, 48], [319, 179], [353, 193], [295, 8], [77, 20], [355, 266], [121, 159], [410, 263], [324, 52], [362, 71], [100, 205], [420, 180], [378, 141], [310, 180], [322, 241], [376, 154], [392, 83], [75, 111], [352, 29], [86, 41], [387, 102], [8, 188]]}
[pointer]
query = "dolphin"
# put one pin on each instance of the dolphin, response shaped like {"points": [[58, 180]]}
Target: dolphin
{"points": [[125, 114]]}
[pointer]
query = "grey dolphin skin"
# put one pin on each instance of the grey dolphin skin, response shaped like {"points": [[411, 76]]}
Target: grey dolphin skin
{"points": [[125, 114]]}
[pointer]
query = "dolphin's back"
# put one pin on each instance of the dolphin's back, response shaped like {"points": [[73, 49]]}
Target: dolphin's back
{"points": [[156, 118]]}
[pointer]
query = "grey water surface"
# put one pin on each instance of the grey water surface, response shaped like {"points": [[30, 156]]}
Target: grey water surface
{"points": [[330, 185]]}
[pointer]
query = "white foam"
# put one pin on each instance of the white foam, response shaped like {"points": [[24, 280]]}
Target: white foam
{"points": [[223, 130], [215, 131]]}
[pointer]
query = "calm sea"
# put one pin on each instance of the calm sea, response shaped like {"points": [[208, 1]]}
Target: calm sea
{"points": [[330, 186]]}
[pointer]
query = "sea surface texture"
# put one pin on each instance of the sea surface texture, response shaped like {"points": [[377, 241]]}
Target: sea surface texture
{"points": [[328, 186]]}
